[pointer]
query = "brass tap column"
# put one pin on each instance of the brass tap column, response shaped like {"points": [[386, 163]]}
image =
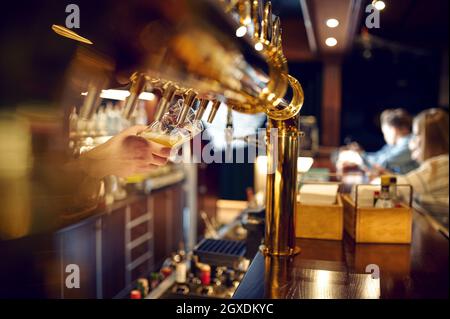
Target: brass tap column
{"points": [[282, 154]]}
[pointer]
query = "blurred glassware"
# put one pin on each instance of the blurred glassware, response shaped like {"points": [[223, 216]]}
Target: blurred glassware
{"points": [[169, 131]]}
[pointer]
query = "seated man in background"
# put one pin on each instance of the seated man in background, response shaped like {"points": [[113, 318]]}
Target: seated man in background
{"points": [[395, 156]]}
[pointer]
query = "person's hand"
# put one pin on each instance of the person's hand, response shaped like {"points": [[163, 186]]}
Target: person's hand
{"points": [[124, 155], [377, 171]]}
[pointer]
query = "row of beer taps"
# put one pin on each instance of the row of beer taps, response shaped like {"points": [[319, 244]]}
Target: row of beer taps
{"points": [[254, 20], [219, 51], [266, 27]]}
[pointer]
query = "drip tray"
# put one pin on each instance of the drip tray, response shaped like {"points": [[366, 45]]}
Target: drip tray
{"points": [[220, 252]]}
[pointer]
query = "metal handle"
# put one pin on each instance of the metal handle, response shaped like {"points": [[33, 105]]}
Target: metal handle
{"points": [[139, 82], [201, 109], [187, 104], [169, 92], [213, 112]]}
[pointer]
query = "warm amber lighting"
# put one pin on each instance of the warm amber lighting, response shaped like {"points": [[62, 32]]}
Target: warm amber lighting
{"points": [[147, 96], [332, 23], [258, 46], [379, 5], [261, 165], [331, 42], [241, 31], [304, 164], [121, 95]]}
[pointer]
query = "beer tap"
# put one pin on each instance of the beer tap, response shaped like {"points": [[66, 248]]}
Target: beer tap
{"points": [[138, 85], [201, 109], [244, 9], [266, 24], [213, 112], [255, 18], [92, 99], [88, 109], [187, 104], [276, 33], [169, 92], [229, 130]]}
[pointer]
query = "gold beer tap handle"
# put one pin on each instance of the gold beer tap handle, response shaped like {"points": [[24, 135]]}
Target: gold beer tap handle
{"points": [[187, 104], [229, 4], [276, 33], [266, 23], [279, 42], [139, 82], [169, 92], [255, 18], [213, 112], [244, 9], [201, 109], [229, 118], [62, 31], [292, 108], [88, 108]]}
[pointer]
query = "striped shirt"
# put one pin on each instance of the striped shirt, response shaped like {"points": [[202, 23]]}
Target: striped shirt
{"points": [[430, 184]]}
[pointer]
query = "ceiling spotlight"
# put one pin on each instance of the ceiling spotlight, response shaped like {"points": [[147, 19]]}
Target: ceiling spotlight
{"points": [[332, 23], [241, 31], [331, 42], [379, 5]]}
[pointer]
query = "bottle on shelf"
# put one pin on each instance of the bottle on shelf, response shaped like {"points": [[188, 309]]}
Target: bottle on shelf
{"points": [[154, 280], [181, 271], [73, 123], [393, 191], [385, 200], [205, 274], [143, 286], [229, 278], [205, 280], [101, 124], [376, 197], [135, 294], [166, 271], [180, 265], [140, 114]]}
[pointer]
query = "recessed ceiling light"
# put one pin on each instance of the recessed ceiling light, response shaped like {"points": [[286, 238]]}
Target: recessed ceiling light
{"points": [[331, 42], [332, 23], [379, 5]]}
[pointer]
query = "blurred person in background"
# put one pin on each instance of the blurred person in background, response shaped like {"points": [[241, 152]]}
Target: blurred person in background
{"points": [[394, 157], [429, 147]]}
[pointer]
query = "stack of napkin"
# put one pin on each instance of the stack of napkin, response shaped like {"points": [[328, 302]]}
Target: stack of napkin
{"points": [[318, 194]]}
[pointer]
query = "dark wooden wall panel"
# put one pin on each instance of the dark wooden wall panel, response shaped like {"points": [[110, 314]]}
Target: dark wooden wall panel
{"points": [[331, 103]]}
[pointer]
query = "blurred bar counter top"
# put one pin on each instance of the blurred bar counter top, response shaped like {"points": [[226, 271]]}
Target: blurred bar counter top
{"points": [[112, 246], [342, 269]]}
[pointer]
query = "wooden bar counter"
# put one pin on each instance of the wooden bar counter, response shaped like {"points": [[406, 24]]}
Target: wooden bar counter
{"points": [[343, 269]]}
